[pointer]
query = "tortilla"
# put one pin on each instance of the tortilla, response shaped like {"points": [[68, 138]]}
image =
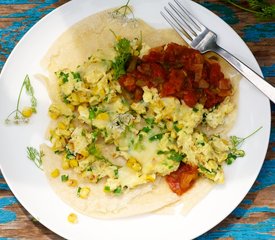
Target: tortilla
{"points": [[71, 49]]}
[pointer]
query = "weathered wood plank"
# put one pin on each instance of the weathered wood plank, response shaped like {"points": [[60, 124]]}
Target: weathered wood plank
{"points": [[252, 219]]}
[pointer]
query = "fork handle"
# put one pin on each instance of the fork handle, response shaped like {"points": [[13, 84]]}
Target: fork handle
{"points": [[248, 73]]}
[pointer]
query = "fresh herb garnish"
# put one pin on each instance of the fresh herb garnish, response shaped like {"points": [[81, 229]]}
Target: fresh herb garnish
{"points": [[145, 129], [175, 156], [150, 121], [93, 150], [92, 113], [175, 126], [118, 190], [156, 137], [261, 8], [206, 171], [35, 156], [64, 178], [116, 173], [124, 52], [107, 189], [78, 191], [123, 11], [235, 152], [25, 114]]}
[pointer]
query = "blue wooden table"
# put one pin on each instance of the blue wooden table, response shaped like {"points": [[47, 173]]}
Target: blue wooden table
{"points": [[254, 218]]}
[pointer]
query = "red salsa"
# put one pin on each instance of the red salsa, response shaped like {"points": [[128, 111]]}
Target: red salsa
{"points": [[182, 179], [177, 71]]}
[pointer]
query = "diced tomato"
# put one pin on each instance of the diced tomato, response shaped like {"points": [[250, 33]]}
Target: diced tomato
{"points": [[215, 73], [168, 89], [138, 94], [182, 179], [180, 72], [177, 77], [128, 82], [190, 98], [224, 84]]}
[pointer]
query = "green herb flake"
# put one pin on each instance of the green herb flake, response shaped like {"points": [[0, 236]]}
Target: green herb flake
{"points": [[161, 152], [175, 126], [205, 170], [156, 137], [78, 191], [64, 178], [92, 113], [116, 173], [107, 189], [63, 76], [146, 129], [150, 121], [175, 156], [118, 190], [76, 76]]}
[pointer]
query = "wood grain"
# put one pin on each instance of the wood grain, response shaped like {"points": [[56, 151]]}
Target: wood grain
{"points": [[252, 219]]}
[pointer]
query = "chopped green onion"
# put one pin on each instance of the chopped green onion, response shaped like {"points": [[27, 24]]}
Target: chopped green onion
{"points": [[64, 178], [156, 137]]}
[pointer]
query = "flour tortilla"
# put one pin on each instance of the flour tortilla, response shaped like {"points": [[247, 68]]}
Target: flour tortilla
{"points": [[73, 48], [145, 198]]}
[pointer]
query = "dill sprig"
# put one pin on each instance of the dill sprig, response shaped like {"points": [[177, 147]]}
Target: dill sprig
{"points": [[30, 92], [123, 11], [23, 116], [35, 156], [236, 143], [261, 8]]}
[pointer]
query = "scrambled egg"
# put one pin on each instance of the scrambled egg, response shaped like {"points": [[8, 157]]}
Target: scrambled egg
{"points": [[148, 138]]}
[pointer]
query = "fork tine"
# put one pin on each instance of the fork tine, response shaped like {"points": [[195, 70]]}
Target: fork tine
{"points": [[181, 25], [195, 21], [193, 32], [179, 30]]}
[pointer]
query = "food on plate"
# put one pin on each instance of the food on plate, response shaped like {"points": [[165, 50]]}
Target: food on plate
{"points": [[138, 118]]}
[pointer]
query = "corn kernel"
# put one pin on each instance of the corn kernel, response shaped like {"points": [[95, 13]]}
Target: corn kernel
{"points": [[53, 115], [74, 99], [151, 178], [101, 93], [133, 164], [72, 218], [82, 98], [62, 125], [65, 165], [72, 182], [84, 192], [103, 116], [27, 112], [55, 173], [84, 153], [53, 112], [73, 163], [72, 107]]}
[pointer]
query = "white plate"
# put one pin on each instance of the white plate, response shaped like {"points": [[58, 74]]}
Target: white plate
{"points": [[29, 183]]}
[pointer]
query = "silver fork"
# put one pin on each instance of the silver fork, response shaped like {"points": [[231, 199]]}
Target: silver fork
{"points": [[201, 38]]}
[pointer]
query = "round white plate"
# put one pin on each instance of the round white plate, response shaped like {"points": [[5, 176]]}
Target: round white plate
{"points": [[29, 184]]}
